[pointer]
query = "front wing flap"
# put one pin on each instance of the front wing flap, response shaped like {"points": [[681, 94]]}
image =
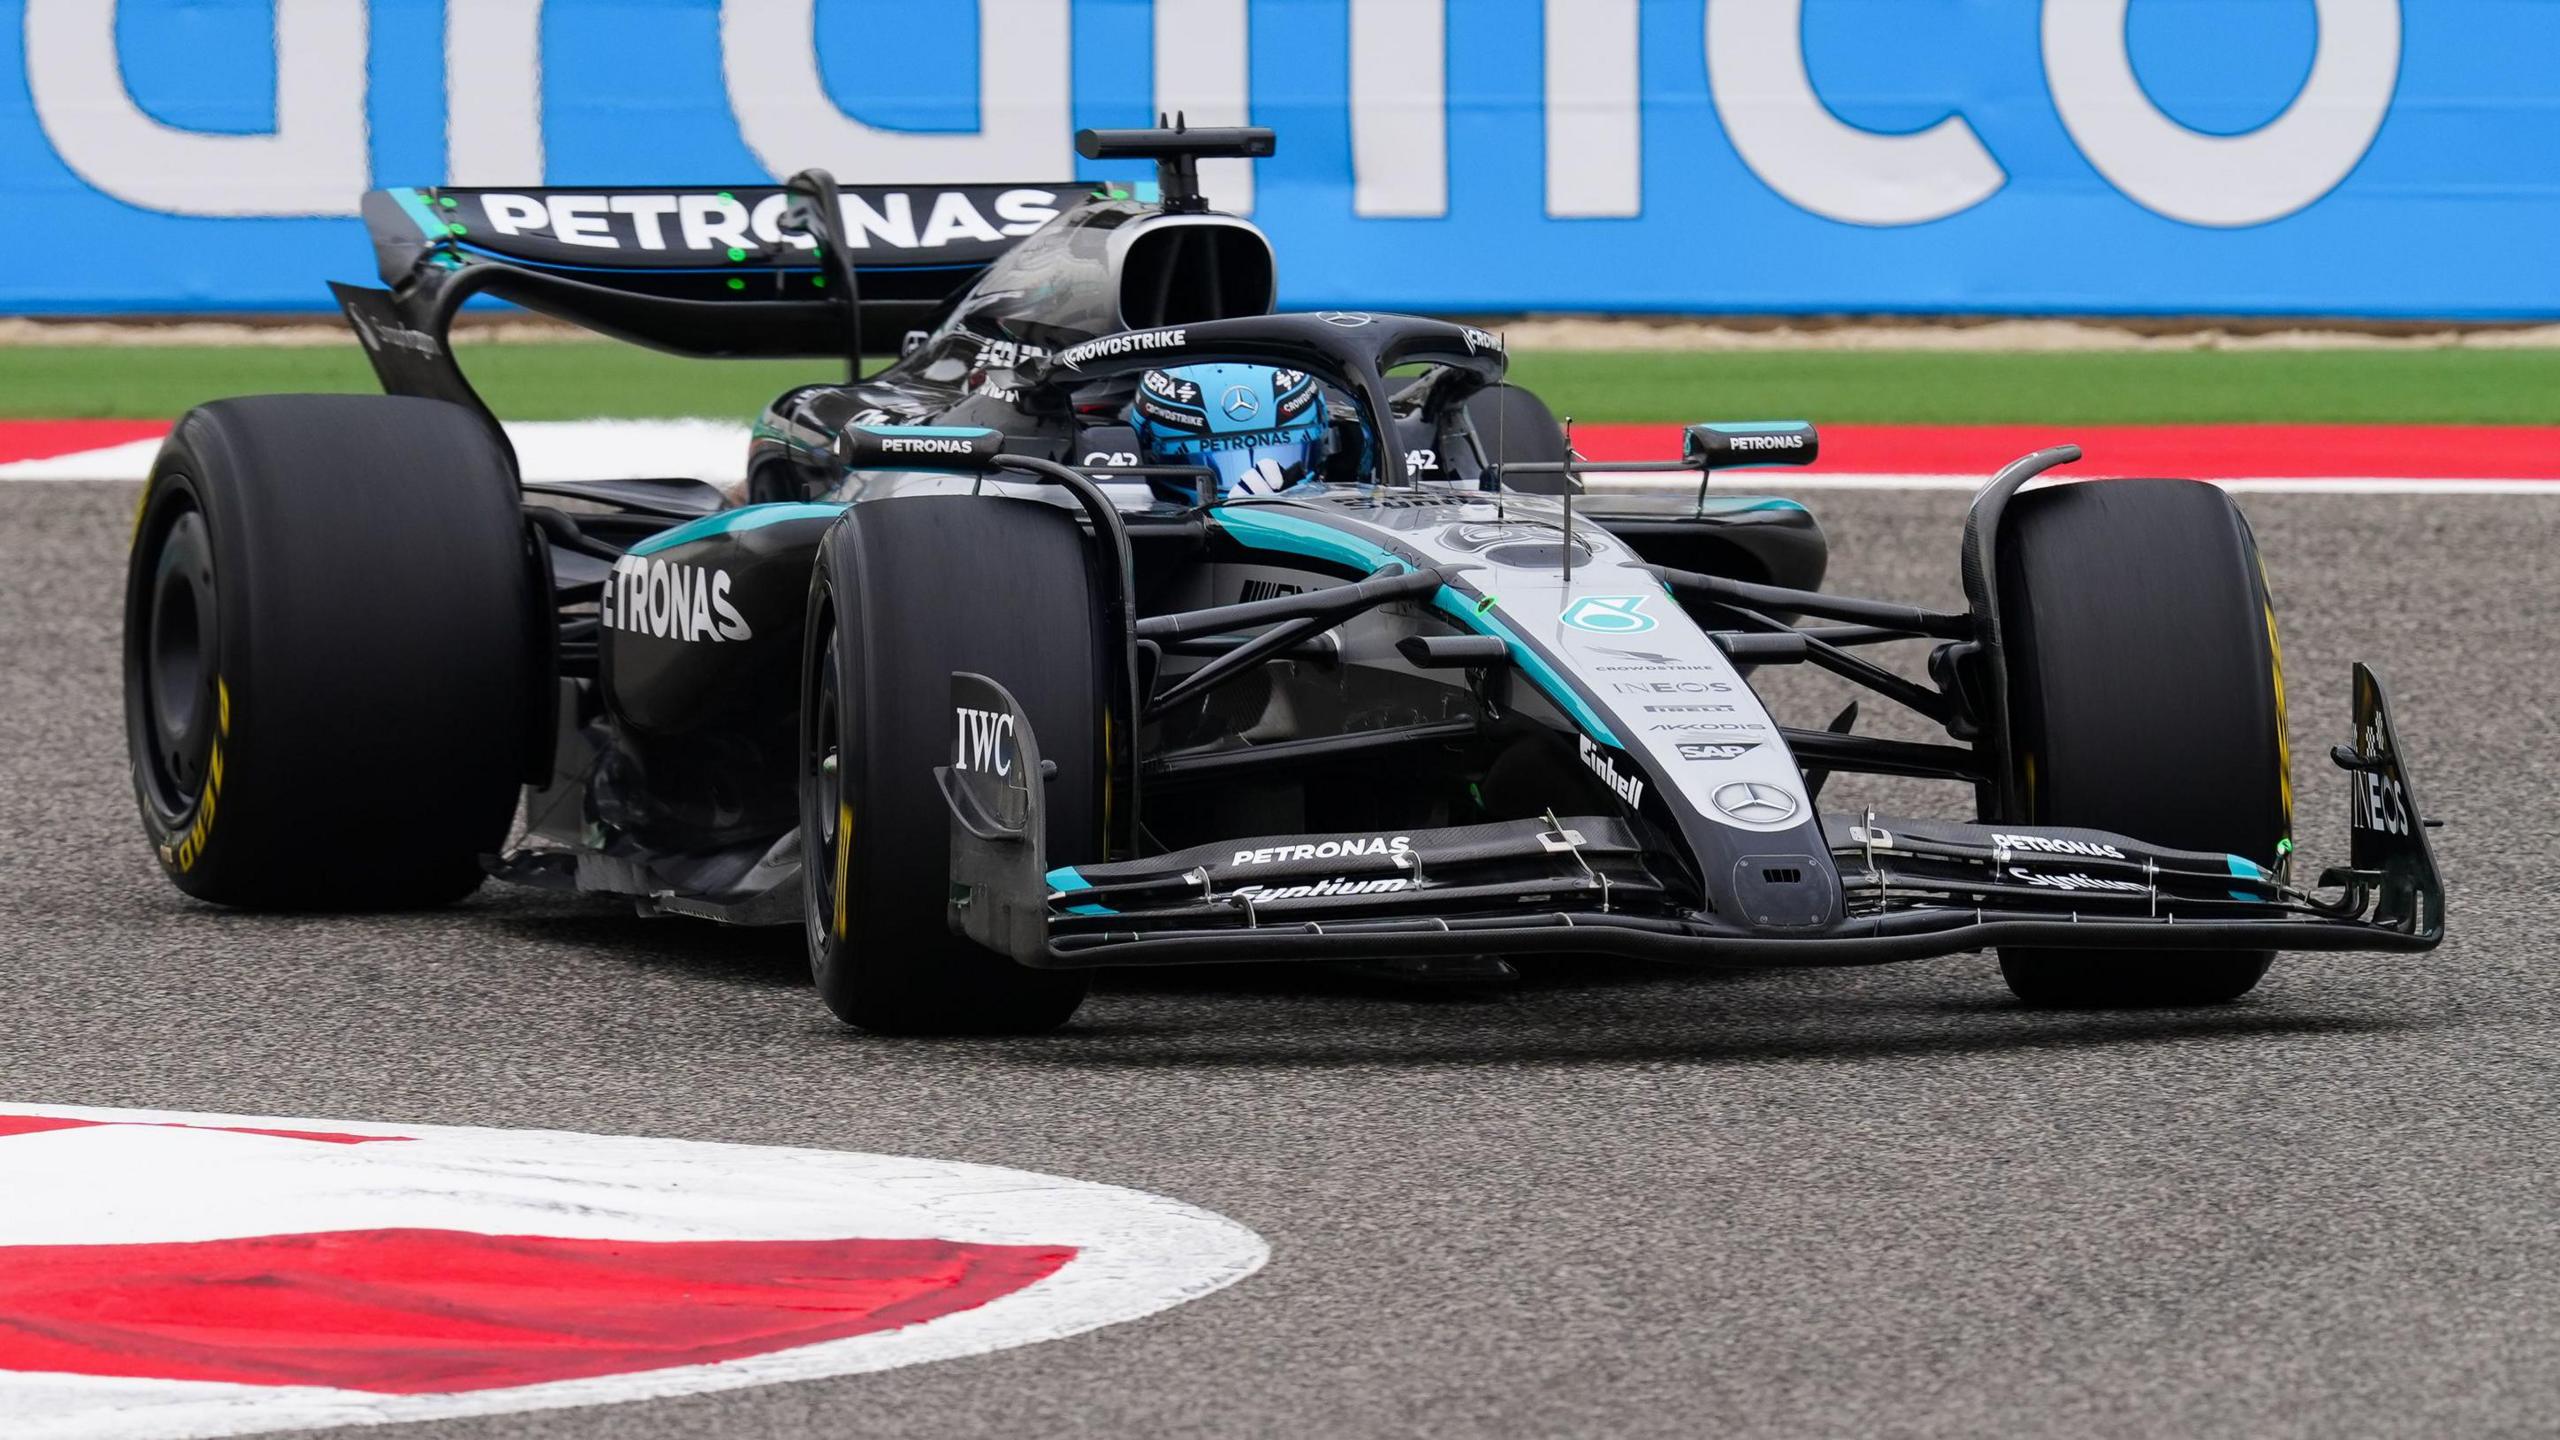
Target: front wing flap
{"points": [[1588, 883]]}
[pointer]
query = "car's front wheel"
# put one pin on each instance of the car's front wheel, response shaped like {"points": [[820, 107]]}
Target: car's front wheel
{"points": [[908, 591], [2146, 697]]}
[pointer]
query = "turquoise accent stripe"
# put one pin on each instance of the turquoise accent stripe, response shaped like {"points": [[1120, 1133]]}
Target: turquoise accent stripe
{"points": [[420, 215], [731, 522], [1748, 505], [1068, 881], [2248, 869], [1757, 427], [944, 432], [1530, 661], [1297, 535]]}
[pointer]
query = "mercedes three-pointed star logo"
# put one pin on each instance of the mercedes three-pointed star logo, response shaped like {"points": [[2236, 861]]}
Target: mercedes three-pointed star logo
{"points": [[1755, 803], [1240, 404]]}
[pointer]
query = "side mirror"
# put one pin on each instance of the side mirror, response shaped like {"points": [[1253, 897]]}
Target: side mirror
{"points": [[961, 449], [1731, 445]]}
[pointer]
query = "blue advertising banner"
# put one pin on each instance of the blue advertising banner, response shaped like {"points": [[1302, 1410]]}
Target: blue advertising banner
{"points": [[2319, 157]]}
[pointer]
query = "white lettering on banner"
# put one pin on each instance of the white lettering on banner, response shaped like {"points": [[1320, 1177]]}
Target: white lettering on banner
{"points": [[711, 222], [515, 214], [670, 600], [648, 215], [2223, 180], [580, 220], [1201, 73], [1595, 124], [314, 162], [1327, 850], [493, 92], [769, 57], [983, 742], [766, 222], [1602, 764], [1791, 140], [1399, 108]]}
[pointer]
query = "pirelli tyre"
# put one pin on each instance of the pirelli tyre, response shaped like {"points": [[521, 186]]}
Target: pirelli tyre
{"points": [[909, 590], [2146, 697], [328, 652]]}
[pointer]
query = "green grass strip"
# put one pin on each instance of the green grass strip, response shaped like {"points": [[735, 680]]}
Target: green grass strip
{"points": [[602, 380]]}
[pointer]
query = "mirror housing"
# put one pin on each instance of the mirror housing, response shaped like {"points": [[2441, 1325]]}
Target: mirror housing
{"points": [[1731, 445], [961, 449]]}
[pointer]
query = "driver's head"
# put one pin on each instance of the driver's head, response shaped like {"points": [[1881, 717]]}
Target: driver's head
{"points": [[1261, 430]]}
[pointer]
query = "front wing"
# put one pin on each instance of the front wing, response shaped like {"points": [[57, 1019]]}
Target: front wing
{"points": [[1904, 888]]}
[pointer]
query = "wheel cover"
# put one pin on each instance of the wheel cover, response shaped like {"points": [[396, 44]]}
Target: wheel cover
{"points": [[827, 818], [173, 664]]}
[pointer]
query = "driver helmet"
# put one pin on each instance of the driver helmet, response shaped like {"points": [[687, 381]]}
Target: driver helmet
{"points": [[1261, 430]]}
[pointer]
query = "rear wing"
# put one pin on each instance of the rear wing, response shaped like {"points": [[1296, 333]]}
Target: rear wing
{"points": [[697, 270]]}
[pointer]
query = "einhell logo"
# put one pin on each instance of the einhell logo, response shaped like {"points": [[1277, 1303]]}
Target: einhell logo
{"points": [[1602, 764]]}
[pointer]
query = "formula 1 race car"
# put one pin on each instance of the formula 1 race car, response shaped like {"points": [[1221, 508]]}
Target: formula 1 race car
{"points": [[1122, 621]]}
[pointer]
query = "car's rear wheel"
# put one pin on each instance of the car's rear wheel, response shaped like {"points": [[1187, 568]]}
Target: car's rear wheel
{"points": [[1513, 426], [908, 591], [2146, 697], [328, 659]]}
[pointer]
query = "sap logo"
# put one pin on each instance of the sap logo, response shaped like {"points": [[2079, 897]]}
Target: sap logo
{"points": [[1699, 751], [2076, 882], [1600, 763], [670, 600], [983, 741], [1326, 850], [1339, 885], [1109, 457], [1135, 341], [2048, 845], [1766, 442], [722, 222]]}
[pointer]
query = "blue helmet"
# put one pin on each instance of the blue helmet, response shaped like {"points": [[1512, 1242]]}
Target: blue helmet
{"points": [[1261, 430]]}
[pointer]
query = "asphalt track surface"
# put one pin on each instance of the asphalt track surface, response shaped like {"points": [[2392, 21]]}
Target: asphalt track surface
{"points": [[1608, 1200]]}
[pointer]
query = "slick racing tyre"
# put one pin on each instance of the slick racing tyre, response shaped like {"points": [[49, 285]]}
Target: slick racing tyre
{"points": [[1514, 426], [2146, 697], [909, 590], [328, 652]]}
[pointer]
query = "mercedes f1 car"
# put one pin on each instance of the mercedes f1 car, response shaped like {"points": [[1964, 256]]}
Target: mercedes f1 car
{"points": [[1018, 658]]}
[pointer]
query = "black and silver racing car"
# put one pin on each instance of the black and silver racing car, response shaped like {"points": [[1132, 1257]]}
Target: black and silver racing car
{"points": [[984, 692]]}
